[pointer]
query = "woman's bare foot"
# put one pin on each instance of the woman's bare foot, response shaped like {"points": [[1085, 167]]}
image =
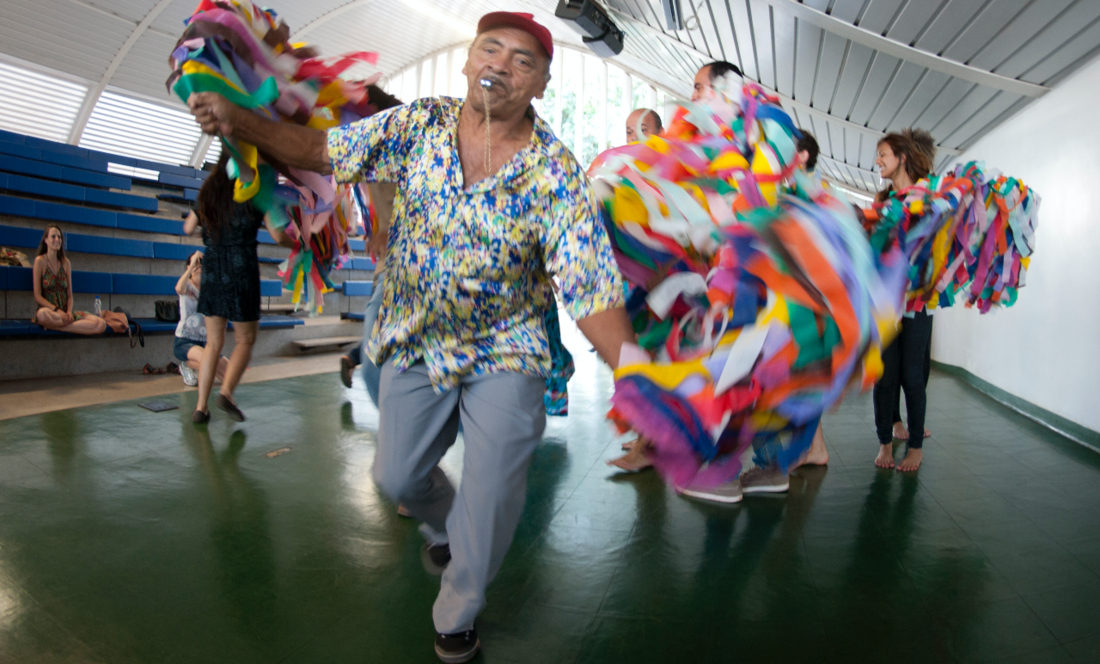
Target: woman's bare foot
{"points": [[911, 461], [634, 460], [817, 455], [885, 458], [900, 433]]}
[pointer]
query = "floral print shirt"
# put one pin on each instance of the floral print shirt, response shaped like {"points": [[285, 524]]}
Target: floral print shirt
{"points": [[468, 268]]}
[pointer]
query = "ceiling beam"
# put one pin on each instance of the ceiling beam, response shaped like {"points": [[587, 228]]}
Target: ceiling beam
{"points": [[92, 98], [786, 101], [905, 52]]}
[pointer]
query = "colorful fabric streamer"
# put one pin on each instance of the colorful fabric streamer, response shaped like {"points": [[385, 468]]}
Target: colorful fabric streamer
{"points": [[242, 52], [757, 293]]}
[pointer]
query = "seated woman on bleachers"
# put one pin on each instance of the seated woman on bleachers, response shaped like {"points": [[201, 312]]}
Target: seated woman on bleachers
{"points": [[53, 290], [191, 331]]}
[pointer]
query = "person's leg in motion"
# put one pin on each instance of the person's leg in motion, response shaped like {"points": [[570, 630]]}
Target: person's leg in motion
{"points": [[914, 340], [503, 419], [244, 337], [372, 373], [194, 361], [884, 397], [215, 341], [416, 428]]}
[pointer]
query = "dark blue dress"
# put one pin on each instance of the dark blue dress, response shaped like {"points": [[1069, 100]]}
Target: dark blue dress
{"points": [[230, 270]]}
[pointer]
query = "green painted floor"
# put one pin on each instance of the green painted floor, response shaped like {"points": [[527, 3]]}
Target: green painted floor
{"points": [[129, 536]]}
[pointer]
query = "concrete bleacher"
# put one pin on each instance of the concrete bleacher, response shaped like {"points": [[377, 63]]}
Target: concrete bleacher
{"points": [[124, 237]]}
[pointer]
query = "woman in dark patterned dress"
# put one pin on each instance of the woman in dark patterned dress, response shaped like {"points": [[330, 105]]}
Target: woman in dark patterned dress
{"points": [[230, 289], [53, 291]]}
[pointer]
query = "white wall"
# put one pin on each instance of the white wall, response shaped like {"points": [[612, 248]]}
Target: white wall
{"points": [[1046, 348]]}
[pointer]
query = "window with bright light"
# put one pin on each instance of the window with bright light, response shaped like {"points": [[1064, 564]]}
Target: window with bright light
{"points": [[37, 104], [134, 128]]}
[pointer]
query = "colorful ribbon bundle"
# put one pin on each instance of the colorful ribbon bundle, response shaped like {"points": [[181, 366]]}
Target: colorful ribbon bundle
{"points": [[968, 234], [757, 303], [242, 52]]}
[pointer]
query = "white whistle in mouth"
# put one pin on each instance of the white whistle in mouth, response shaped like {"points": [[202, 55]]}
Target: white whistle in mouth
{"points": [[486, 83]]}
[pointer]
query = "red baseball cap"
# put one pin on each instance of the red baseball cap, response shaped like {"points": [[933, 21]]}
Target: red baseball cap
{"points": [[521, 21]]}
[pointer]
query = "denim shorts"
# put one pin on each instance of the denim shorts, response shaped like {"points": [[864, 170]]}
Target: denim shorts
{"points": [[182, 346]]}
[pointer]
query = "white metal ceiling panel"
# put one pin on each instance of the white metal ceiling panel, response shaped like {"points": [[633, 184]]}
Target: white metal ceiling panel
{"points": [[783, 43], [967, 131], [761, 15], [924, 95], [132, 10], [146, 68], [1023, 27], [984, 28], [880, 14], [832, 56], [67, 36], [851, 80], [742, 27], [807, 58], [948, 24], [914, 19], [1078, 17], [896, 95], [1082, 46], [883, 68]]}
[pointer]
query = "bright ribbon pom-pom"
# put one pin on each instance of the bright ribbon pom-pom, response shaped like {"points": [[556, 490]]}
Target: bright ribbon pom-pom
{"points": [[242, 52], [758, 294]]}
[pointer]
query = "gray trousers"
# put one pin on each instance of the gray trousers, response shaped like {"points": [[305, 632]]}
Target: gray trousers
{"points": [[503, 417]]}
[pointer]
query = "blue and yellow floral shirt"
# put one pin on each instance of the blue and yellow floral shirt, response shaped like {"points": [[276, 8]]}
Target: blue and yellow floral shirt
{"points": [[468, 268]]}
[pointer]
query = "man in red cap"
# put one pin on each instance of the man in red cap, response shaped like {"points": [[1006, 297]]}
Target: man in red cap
{"points": [[490, 205]]}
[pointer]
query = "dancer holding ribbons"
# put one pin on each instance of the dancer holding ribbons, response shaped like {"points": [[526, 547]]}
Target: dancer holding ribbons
{"points": [[490, 205], [761, 304]]}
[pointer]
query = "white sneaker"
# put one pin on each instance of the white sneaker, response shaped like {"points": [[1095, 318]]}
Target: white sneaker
{"points": [[764, 480], [727, 493], [190, 378]]}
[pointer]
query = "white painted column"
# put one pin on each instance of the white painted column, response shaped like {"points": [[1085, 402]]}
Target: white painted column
{"points": [[578, 111], [450, 90], [651, 97], [556, 69], [601, 135]]}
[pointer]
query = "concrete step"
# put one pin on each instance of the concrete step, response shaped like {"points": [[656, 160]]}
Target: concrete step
{"points": [[326, 342]]}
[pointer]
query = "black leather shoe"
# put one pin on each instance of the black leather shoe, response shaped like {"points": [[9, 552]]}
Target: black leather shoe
{"points": [[230, 408], [199, 417], [457, 648], [435, 558]]}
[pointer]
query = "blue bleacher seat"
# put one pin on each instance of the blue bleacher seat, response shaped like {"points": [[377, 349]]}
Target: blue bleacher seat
{"points": [[361, 264], [22, 279], [40, 169], [115, 199], [16, 327], [357, 288], [263, 237], [135, 222], [179, 180], [39, 187], [173, 252], [358, 245], [266, 259], [95, 244], [271, 288], [17, 150], [3, 277], [143, 284], [20, 207], [74, 214]]}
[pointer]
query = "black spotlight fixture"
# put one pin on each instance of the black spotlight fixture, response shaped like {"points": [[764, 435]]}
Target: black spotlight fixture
{"points": [[598, 31]]}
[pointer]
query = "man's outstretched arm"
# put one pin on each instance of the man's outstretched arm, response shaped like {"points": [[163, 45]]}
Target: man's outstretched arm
{"points": [[294, 145], [607, 331]]}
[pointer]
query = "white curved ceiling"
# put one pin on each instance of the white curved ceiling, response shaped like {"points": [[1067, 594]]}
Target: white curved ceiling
{"points": [[848, 69]]}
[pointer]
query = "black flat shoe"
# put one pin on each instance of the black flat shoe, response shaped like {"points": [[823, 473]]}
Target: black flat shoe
{"points": [[457, 648], [230, 408], [199, 417]]}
